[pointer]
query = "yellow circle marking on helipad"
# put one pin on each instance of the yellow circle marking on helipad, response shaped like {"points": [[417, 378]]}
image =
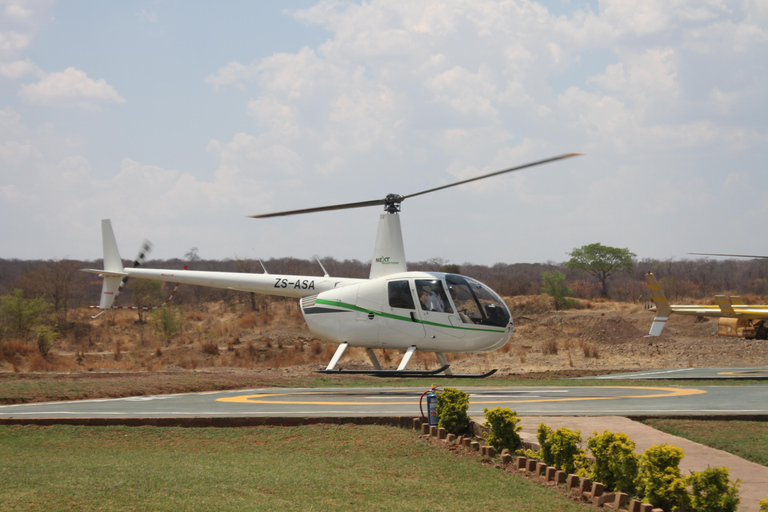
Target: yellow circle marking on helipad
{"points": [[267, 398], [745, 372]]}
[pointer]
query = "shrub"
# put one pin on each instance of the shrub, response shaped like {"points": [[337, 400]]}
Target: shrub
{"points": [[554, 286], [166, 322], [543, 435], [712, 491], [561, 448], [503, 423], [452, 406], [659, 480], [764, 504], [44, 336], [615, 461], [20, 314]]}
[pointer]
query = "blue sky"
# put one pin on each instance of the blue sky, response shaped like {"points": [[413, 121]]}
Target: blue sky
{"points": [[177, 120]]}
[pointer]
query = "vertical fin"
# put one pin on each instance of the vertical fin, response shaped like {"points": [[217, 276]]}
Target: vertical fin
{"points": [[725, 305], [112, 261], [663, 310], [112, 264], [388, 251]]}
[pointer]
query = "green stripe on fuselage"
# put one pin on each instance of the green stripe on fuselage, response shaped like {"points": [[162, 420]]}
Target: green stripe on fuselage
{"points": [[352, 307]]}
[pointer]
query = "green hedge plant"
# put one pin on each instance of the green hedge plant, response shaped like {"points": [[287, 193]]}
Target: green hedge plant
{"points": [[452, 406], [561, 448], [659, 480], [504, 428], [712, 491], [616, 463]]}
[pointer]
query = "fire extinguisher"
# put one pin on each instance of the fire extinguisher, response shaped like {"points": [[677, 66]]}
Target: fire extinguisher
{"points": [[431, 395]]}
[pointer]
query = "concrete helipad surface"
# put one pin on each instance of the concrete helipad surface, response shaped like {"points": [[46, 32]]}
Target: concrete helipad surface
{"points": [[609, 400], [688, 374]]}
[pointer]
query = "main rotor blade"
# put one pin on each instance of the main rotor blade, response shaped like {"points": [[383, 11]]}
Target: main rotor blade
{"points": [[734, 255], [493, 174], [395, 199], [361, 204]]}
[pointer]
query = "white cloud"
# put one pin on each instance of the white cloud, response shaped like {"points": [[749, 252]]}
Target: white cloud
{"points": [[723, 100], [11, 43], [17, 69], [645, 80], [470, 94], [17, 11], [727, 37], [70, 88]]}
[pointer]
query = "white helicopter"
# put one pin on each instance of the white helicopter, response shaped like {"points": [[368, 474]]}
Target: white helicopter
{"points": [[393, 309]]}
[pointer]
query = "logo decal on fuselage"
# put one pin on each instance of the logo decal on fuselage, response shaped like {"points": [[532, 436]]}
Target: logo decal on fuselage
{"points": [[384, 260]]}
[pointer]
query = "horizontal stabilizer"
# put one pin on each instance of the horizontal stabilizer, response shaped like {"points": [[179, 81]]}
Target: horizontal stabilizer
{"points": [[103, 273]]}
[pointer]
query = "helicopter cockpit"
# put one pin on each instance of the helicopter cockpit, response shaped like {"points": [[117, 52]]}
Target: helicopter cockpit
{"points": [[471, 300], [476, 302]]}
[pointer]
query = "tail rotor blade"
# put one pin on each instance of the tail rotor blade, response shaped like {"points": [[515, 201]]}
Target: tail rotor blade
{"points": [[144, 250]]}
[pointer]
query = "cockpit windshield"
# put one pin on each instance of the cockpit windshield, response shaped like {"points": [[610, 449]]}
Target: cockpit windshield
{"points": [[476, 303]]}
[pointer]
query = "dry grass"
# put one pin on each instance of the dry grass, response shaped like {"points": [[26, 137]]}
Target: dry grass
{"points": [[606, 335], [590, 350], [549, 347]]}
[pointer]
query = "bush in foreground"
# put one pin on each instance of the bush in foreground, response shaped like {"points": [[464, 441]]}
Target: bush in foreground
{"points": [[561, 448], [616, 463], [503, 423], [452, 406], [712, 491], [659, 480]]}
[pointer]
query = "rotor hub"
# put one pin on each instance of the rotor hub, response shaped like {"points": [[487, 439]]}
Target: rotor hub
{"points": [[392, 203]]}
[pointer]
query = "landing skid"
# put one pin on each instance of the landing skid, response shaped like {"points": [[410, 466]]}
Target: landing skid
{"points": [[410, 373], [401, 371], [387, 373]]}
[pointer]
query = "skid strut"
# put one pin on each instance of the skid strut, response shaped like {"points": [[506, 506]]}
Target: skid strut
{"points": [[444, 371]]}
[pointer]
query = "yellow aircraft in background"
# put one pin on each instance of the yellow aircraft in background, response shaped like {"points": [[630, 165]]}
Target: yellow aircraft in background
{"points": [[734, 317]]}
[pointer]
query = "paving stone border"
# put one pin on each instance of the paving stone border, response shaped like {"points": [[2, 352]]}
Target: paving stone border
{"points": [[580, 488]]}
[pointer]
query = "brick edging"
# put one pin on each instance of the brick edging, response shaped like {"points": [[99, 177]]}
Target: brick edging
{"points": [[580, 488]]}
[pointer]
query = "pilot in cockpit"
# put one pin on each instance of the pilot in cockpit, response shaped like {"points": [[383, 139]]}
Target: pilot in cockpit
{"points": [[432, 302]]}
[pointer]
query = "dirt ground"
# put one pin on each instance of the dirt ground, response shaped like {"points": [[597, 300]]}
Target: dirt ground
{"points": [[275, 345]]}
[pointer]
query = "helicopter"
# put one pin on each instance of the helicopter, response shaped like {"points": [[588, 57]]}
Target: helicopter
{"points": [[734, 317], [393, 309]]}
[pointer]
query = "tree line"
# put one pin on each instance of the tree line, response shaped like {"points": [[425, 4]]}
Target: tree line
{"points": [[62, 284]]}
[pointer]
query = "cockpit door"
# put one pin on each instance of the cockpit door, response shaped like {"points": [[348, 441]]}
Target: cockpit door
{"points": [[438, 312], [401, 318]]}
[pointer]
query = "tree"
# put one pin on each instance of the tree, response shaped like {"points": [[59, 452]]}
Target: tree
{"points": [[167, 322], [20, 314], [146, 294], [555, 287], [450, 268], [193, 258], [601, 262]]}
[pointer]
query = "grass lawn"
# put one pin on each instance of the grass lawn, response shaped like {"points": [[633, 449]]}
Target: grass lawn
{"points": [[318, 467], [747, 439]]}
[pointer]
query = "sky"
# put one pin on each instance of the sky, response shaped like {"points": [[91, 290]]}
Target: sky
{"points": [[178, 120]]}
